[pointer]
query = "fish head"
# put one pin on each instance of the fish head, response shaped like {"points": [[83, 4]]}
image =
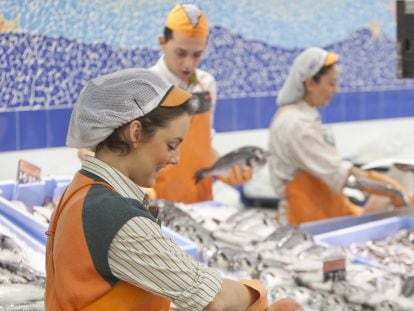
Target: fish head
{"points": [[7, 243], [260, 157]]}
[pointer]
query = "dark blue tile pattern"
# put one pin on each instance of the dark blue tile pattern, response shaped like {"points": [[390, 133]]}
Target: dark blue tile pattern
{"points": [[48, 72]]}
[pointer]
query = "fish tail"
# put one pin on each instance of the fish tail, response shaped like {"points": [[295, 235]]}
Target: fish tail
{"points": [[200, 174]]}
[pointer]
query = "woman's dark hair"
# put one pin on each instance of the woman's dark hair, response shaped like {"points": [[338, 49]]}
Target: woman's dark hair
{"points": [[158, 118], [321, 72]]}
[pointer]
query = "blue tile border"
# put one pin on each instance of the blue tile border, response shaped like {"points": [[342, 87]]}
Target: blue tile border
{"points": [[8, 131], [57, 126], [47, 128], [238, 114], [32, 129], [245, 110], [360, 106], [223, 116], [267, 108]]}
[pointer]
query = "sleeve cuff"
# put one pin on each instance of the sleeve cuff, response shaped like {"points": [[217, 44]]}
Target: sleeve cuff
{"points": [[342, 176]]}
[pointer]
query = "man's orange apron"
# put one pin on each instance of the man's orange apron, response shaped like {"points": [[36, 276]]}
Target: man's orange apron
{"points": [[176, 182], [309, 199]]}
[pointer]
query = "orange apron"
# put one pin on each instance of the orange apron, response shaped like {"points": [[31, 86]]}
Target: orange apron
{"points": [[309, 199], [62, 277], [124, 296], [176, 182]]}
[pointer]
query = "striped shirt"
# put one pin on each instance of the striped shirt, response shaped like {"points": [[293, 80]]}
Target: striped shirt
{"points": [[141, 254]]}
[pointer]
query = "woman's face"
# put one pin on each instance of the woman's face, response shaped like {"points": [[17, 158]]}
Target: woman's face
{"points": [[319, 94], [152, 154]]}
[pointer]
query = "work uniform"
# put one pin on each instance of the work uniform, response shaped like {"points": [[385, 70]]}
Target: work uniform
{"points": [[108, 253], [176, 182], [306, 171]]}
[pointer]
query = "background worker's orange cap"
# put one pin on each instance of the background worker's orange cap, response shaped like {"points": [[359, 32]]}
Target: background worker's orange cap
{"points": [[331, 58], [188, 20]]}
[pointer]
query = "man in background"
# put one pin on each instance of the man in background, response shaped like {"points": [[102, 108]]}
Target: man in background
{"points": [[183, 44]]}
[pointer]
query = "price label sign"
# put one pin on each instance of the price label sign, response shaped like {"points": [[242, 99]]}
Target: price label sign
{"points": [[334, 269], [27, 172]]}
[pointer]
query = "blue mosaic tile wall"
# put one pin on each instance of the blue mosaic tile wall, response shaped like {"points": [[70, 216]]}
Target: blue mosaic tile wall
{"points": [[50, 48]]}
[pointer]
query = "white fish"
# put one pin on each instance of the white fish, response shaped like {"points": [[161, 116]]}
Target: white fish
{"points": [[245, 156], [12, 294]]}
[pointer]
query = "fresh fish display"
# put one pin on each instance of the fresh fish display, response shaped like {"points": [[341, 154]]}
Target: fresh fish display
{"points": [[223, 257], [318, 299], [41, 213], [35, 306], [245, 227], [408, 286], [275, 276], [389, 305], [21, 286], [300, 294], [396, 252], [183, 221], [20, 294], [249, 243], [351, 292], [245, 156], [8, 244]]}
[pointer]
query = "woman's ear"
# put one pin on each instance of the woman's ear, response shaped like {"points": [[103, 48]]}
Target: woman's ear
{"points": [[309, 83], [135, 132]]}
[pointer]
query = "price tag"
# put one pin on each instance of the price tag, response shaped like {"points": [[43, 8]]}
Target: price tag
{"points": [[334, 269], [27, 172]]}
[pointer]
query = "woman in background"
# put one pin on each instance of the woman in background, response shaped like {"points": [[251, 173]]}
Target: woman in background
{"points": [[306, 170]]}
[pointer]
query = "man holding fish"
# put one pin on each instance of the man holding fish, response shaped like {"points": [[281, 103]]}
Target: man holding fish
{"points": [[183, 43]]}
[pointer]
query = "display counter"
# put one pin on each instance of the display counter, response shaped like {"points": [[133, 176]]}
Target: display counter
{"points": [[322, 226]]}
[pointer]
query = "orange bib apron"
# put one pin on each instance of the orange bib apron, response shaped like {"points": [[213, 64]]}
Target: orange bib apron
{"points": [[121, 296], [310, 199], [124, 296], [176, 182]]}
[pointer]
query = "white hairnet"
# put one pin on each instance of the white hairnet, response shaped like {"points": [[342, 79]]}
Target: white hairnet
{"points": [[108, 102], [305, 66]]}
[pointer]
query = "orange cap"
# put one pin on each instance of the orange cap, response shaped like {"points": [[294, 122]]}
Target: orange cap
{"points": [[188, 20], [331, 58], [175, 97]]}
